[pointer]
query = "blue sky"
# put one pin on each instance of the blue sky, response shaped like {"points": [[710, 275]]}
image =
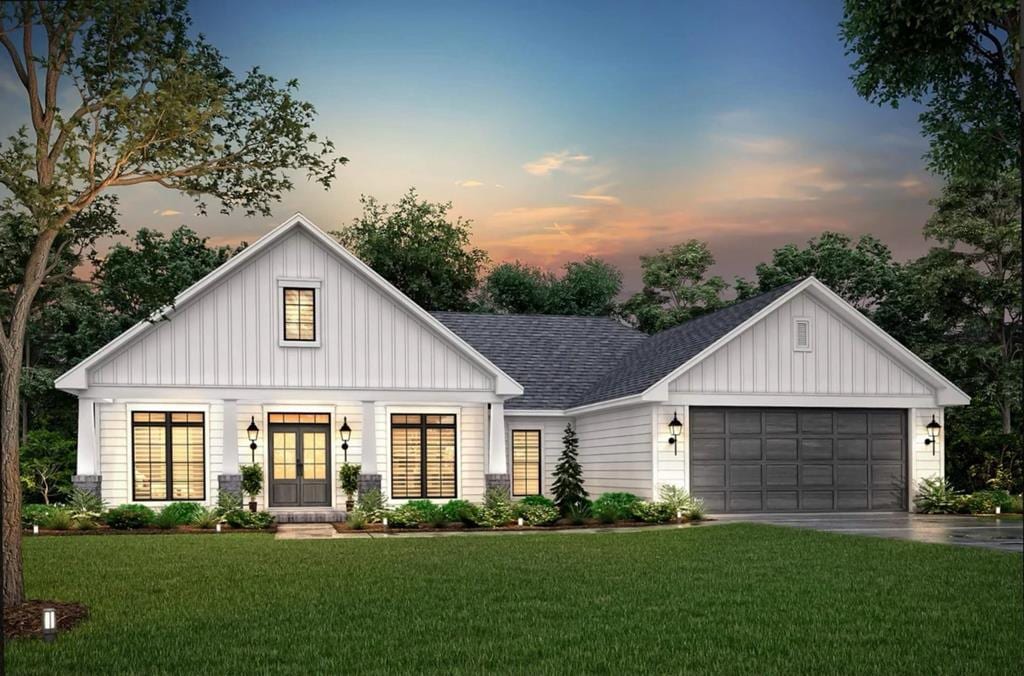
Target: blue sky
{"points": [[569, 129]]}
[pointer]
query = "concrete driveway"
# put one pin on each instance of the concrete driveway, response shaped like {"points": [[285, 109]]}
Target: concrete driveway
{"points": [[990, 532]]}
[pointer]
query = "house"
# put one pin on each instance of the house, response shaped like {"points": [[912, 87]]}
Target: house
{"points": [[296, 355]]}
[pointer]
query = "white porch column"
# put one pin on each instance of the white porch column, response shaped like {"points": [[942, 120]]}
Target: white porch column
{"points": [[229, 463], [88, 448], [368, 450], [497, 460]]}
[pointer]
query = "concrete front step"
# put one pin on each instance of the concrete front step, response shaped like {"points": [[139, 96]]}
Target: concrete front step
{"points": [[319, 516]]}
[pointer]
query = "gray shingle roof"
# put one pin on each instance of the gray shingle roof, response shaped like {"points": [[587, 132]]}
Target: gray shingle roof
{"points": [[555, 358], [666, 351], [563, 362]]}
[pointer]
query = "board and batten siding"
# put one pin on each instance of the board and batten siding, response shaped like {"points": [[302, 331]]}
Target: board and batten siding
{"points": [[762, 359], [616, 451], [229, 336], [552, 428]]}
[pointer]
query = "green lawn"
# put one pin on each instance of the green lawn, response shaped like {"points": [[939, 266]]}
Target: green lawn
{"points": [[736, 598]]}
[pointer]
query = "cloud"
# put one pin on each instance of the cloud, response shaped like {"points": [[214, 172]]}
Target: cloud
{"points": [[469, 183], [607, 199], [561, 161], [166, 212], [757, 145]]}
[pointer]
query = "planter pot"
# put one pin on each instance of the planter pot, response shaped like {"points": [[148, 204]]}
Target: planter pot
{"points": [[252, 505], [349, 505]]}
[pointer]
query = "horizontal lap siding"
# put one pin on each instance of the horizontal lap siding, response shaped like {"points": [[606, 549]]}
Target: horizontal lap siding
{"points": [[762, 360], [229, 336], [616, 450], [923, 464], [672, 462], [115, 453]]}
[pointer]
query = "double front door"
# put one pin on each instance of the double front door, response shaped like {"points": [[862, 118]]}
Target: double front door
{"points": [[299, 465]]}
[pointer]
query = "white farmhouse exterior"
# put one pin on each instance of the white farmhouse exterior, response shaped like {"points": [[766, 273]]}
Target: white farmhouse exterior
{"points": [[790, 401]]}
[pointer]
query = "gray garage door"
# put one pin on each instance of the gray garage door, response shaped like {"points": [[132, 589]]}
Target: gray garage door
{"points": [[798, 460]]}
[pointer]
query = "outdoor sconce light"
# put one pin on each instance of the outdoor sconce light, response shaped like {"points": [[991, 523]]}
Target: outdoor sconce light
{"points": [[933, 434], [49, 624], [346, 434], [254, 434], [675, 428]]}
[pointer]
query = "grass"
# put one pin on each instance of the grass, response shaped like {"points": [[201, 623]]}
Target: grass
{"points": [[734, 598]]}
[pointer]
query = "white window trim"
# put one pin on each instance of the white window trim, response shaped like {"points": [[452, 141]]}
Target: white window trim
{"points": [[525, 427], [157, 407], [296, 283], [426, 410], [810, 335]]}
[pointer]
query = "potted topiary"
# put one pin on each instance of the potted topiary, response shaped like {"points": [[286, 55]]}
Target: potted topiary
{"points": [[348, 477], [252, 483]]}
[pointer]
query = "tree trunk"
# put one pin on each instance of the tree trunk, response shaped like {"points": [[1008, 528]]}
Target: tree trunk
{"points": [[10, 479]]}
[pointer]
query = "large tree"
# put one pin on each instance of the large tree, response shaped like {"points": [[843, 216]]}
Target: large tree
{"points": [[676, 287], [417, 247], [120, 93], [587, 287], [959, 58]]}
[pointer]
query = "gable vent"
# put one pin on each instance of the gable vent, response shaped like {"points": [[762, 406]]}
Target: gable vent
{"points": [[802, 335]]}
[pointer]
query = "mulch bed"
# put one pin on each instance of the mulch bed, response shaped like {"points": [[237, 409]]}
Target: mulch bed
{"points": [[191, 530], [343, 527], [26, 620]]}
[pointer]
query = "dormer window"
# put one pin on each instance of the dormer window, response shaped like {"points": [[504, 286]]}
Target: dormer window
{"points": [[802, 334], [299, 315]]}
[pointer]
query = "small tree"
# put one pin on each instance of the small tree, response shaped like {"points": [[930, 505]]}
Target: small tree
{"points": [[568, 486], [252, 483], [348, 477]]}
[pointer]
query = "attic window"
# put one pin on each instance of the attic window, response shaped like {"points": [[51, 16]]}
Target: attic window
{"points": [[298, 314], [802, 335]]}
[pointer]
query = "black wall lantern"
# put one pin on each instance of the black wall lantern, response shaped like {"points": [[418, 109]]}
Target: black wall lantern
{"points": [[346, 434], [933, 434], [254, 434], [675, 428]]}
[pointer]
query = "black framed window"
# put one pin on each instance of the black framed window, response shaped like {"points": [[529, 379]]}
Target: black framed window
{"points": [[299, 314], [526, 462], [423, 456], [168, 456]]}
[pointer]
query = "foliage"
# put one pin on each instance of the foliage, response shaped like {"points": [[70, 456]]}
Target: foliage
{"points": [[165, 519], [128, 517], [568, 484], [1016, 504], [252, 479], [415, 246], [356, 520], [181, 513], [206, 518], [985, 502], [415, 513], [955, 57], [680, 501], [243, 518], [36, 514], [537, 515], [587, 287], [614, 507], [372, 504], [676, 288], [348, 478], [39, 475], [862, 273], [460, 511], [86, 508], [936, 495], [496, 509], [53, 451], [652, 512], [59, 518], [228, 501], [579, 512]]}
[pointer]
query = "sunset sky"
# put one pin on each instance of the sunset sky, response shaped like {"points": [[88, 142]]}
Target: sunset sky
{"points": [[567, 129]]}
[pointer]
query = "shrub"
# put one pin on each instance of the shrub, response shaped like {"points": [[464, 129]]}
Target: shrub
{"points": [[228, 501], [652, 512], [58, 519], [937, 496], [414, 513], [252, 480], [127, 517], [243, 518], [206, 518], [614, 507], [373, 505], [181, 513], [461, 511], [696, 512], [579, 512], [84, 523], [1016, 504], [538, 515], [497, 508], [348, 479], [85, 504], [35, 515], [537, 500], [568, 484], [985, 502], [356, 520]]}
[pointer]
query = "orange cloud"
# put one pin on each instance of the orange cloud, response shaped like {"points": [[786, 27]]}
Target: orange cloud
{"points": [[551, 162]]}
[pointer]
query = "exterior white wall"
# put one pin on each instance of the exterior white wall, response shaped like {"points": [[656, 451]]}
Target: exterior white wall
{"points": [[924, 463], [552, 428], [229, 336], [762, 360], [671, 465], [616, 450]]}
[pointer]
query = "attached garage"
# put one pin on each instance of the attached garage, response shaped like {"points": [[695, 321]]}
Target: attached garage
{"points": [[799, 460]]}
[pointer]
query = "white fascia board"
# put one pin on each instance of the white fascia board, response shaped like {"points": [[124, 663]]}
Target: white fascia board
{"points": [[535, 413], [602, 405], [802, 400], [76, 379], [295, 395]]}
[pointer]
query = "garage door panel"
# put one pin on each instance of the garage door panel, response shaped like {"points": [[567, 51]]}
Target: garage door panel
{"points": [[801, 460], [744, 449]]}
